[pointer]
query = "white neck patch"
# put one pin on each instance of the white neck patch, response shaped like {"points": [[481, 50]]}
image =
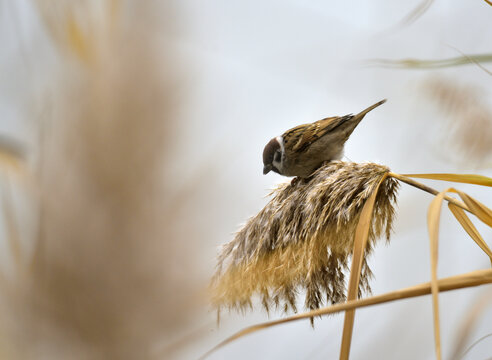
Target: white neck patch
{"points": [[280, 141], [279, 165]]}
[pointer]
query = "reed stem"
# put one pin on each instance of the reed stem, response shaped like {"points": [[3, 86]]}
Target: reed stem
{"points": [[428, 189]]}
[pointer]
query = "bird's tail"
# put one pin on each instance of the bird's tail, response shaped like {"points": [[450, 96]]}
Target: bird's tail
{"points": [[354, 120], [364, 112]]}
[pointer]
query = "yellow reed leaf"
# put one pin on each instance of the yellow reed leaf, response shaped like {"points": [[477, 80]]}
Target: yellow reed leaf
{"points": [[431, 64], [360, 242], [477, 208], [11, 157], [471, 279], [9, 161], [433, 217], [11, 224], [466, 223], [472, 317], [77, 40], [460, 178], [416, 13]]}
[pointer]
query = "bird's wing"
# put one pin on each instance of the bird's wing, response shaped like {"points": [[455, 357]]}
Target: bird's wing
{"points": [[304, 135]]}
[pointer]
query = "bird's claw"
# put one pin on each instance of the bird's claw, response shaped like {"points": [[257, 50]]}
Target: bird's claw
{"points": [[294, 181]]}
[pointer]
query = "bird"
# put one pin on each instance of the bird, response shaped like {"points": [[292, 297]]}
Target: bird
{"points": [[303, 149]]}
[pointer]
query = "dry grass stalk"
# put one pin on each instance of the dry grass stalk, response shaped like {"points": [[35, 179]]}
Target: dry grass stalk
{"points": [[460, 178], [482, 212], [11, 225], [416, 13], [471, 279], [360, 244], [433, 217], [468, 226], [364, 226], [12, 167], [406, 179], [471, 205], [12, 157], [302, 240], [469, 321], [431, 64]]}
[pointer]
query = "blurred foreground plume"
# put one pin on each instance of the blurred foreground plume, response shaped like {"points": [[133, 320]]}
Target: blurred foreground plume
{"points": [[105, 281], [467, 130], [303, 238]]}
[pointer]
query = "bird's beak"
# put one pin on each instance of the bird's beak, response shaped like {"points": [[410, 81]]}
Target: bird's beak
{"points": [[267, 169]]}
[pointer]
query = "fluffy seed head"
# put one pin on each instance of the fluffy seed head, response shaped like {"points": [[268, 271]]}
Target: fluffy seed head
{"points": [[303, 238]]}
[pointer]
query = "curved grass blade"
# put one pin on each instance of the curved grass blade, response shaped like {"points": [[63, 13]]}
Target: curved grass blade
{"points": [[360, 243], [475, 343], [11, 224], [471, 279], [433, 217], [460, 178], [428, 189], [469, 322], [77, 41], [431, 64], [478, 209], [416, 13], [12, 156], [466, 223], [473, 61]]}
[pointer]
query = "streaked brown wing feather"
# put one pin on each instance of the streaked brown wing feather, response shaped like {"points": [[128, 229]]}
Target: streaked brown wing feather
{"points": [[309, 133]]}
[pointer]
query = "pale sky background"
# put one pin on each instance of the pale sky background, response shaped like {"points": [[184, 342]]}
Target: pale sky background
{"points": [[257, 68]]}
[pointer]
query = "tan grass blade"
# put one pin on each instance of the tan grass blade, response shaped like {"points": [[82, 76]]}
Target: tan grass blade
{"points": [[460, 178], [473, 60], [76, 28], [488, 2], [416, 13], [428, 189], [478, 209], [9, 161], [433, 217], [475, 343], [12, 228], [77, 41], [360, 242], [471, 279], [431, 64], [468, 323], [182, 341], [466, 223], [11, 156]]}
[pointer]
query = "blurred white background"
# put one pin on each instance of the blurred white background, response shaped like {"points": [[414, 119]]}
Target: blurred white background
{"points": [[252, 69]]}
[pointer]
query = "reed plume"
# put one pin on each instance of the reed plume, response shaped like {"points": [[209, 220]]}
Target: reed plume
{"points": [[303, 238], [467, 126]]}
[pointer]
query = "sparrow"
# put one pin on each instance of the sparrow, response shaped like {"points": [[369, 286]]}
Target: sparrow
{"points": [[303, 149]]}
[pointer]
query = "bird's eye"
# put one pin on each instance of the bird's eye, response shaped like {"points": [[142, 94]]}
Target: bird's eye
{"points": [[277, 156]]}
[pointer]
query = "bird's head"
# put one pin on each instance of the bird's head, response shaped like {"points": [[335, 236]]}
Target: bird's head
{"points": [[272, 156]]}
